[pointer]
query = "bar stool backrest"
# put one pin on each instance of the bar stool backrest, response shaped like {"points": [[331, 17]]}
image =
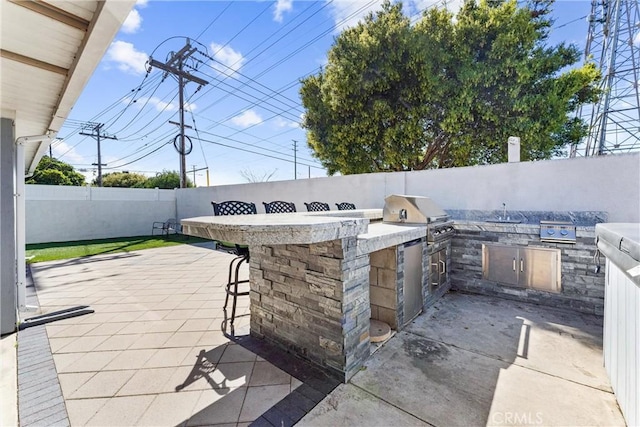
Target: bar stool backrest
{"points": [[345, 206], [316, 206], [278, 206], [233, 207]]}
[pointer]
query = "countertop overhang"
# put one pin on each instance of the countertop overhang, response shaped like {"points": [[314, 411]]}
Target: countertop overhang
{"points": [[279, 229]]}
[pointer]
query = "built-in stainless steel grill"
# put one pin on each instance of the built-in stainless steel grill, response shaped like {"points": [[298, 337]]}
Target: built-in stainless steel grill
{"points": [[418, 210]]}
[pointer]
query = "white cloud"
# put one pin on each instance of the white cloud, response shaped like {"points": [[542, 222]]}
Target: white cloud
{"points": [[159, 104], [127, 57], [60, 148], [282, 6], [279, 122], [142, 3], [227, 60], [162, 105], [347, 13], [132, 23], [636, 39], [246, 119]]}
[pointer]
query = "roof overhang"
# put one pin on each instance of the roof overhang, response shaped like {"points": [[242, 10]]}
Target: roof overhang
{"points": [[48, 52]]}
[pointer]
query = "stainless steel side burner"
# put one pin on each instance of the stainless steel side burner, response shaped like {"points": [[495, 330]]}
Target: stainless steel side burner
{"points": [[557, 231]]}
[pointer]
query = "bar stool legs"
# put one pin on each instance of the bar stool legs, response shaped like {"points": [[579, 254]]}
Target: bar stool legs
{"points": [[233, 282]]}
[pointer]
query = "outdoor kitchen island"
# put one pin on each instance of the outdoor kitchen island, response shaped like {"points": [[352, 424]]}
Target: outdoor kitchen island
{"points": [[310, 277]]}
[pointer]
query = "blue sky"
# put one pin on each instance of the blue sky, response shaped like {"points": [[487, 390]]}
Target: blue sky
{"points": [[244, 121]]}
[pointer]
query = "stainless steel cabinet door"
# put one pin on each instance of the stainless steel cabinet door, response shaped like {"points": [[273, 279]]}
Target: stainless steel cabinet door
{"points": [[538, 268], [499, 264], [412, 280]]}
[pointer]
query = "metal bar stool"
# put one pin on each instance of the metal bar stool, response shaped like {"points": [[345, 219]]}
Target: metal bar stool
{"points": [[279, 206], [346, 206], [316, 206], [234, 207]]}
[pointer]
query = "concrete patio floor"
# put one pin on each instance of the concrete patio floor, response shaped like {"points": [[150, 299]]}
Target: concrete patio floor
{"points": [[474, 360], [155, 353]]}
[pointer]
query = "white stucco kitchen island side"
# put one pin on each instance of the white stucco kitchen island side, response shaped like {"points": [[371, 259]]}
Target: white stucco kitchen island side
{"points": [[309, 278]]}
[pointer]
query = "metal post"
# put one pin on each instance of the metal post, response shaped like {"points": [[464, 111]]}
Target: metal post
{"points": [[295, 159], [99, 156]]}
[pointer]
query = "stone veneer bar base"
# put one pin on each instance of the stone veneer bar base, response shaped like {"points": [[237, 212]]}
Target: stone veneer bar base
{"points": [[313, 300]]}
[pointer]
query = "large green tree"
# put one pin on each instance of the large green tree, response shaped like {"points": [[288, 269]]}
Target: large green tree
{"points": [[52, 171], [166, 179], [123, 179], [446, 91]]}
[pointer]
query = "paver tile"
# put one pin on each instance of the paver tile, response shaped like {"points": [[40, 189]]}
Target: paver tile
{"points": [[264, 373], [81, 344], [103, 384], [121, 411], [232, 375], [192, 325], [90, 362], [218, 406], [211, 338], [260, 399], [82, 410], [184, 339], [165, 357], [64, 359], [118, 342], [170, 409], [236, 353], [148, 381], [107, 328], [130, 359], [149, 340], [69, 383]]}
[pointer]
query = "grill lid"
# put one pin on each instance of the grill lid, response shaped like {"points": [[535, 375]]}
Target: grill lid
{"points": [[411, 209]]}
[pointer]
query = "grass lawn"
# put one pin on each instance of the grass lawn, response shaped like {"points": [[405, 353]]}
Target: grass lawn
{"points": [[82, 248]]}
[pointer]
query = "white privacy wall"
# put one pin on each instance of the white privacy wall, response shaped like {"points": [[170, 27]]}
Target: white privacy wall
{"points": [[607, 183], [64, 213]]}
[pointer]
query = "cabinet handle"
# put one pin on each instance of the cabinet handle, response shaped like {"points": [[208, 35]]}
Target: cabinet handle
{"points": [[514, 264], [444, 267], [521, 264]]}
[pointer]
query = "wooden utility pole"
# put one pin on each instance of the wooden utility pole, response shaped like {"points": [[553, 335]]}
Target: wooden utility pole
{"points": [[96, 132], [175, 66]]}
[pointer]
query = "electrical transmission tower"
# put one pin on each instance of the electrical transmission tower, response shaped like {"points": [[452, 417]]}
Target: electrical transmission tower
{"points": [[613, 43], [96, 132], [174, 65]]}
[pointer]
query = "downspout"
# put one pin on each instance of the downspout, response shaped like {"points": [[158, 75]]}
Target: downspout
{"points": [[21, 211]]}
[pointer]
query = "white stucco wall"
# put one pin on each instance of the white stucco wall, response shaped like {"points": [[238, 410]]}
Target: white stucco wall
{"points": [[608, 183], [62, 213]]}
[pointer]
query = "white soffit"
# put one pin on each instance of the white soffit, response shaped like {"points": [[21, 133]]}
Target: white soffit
{"points": [[49, 51]]}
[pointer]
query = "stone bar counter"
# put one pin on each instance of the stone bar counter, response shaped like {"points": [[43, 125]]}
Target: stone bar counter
{"points": [[309, 278]]}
